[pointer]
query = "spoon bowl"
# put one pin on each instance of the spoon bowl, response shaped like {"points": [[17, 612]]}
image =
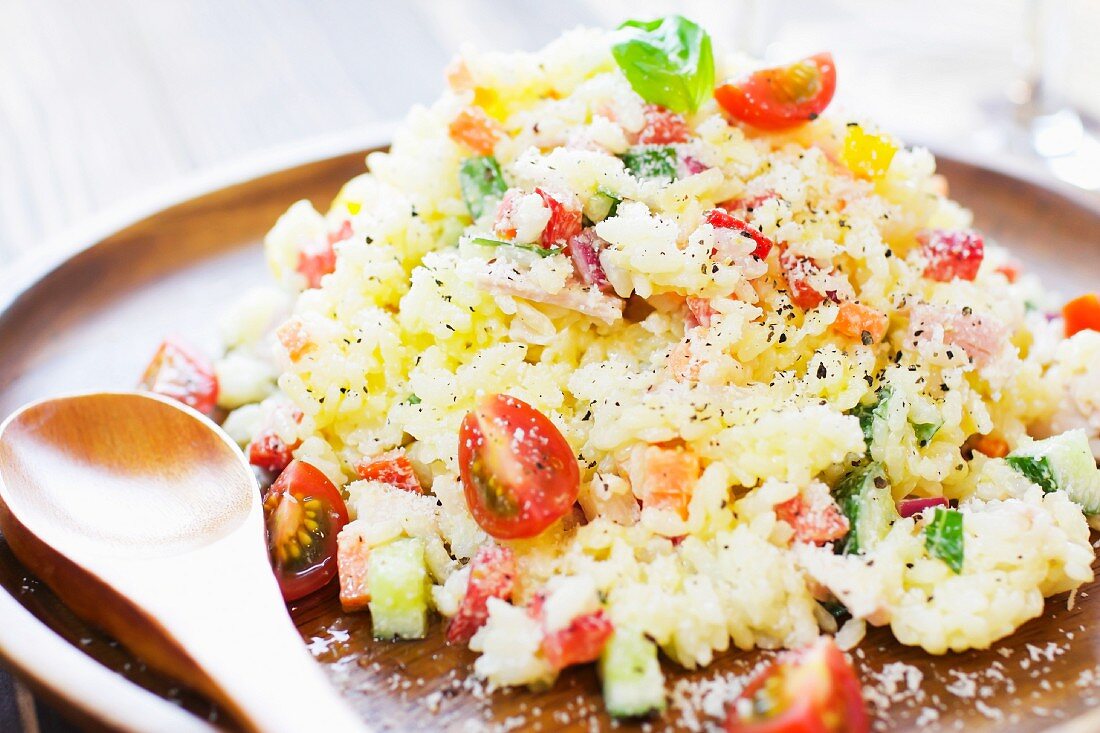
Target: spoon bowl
{"points": [[146, 520]]}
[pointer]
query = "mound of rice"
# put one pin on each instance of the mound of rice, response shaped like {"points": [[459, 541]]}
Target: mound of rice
{"points": [[396, 345]]}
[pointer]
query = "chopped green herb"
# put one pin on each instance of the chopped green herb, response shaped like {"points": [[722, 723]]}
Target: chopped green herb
{"points": [[668, 61], [482, 184], [1036, 469], [943, 537], [536, 248], [924, 431], [651, 161], [869, 412], [413, 400]]}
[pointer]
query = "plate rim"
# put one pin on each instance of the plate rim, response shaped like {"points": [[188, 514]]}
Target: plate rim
{"points": [[94, 694]]}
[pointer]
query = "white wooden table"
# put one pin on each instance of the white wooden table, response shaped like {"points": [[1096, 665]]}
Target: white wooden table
{"points": [[101, 102]]}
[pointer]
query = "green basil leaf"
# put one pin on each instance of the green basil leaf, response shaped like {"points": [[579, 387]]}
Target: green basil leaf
{"points": [[668, 61], [482, 184], [868, 413], [1035, 469], [536, 248], [924, 431], [651, 161], [943, 538]]}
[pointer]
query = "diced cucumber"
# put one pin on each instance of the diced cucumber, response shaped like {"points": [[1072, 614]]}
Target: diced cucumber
{"points": [[633, 684], [603, 205], [651, 162], [535, 248], [1062, 463], [871, 414], [864, 497], [943, 538], [482, 184], [397, 576]]}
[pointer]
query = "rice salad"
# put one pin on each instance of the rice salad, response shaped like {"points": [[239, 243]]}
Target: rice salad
{"points": [[792, 386]]}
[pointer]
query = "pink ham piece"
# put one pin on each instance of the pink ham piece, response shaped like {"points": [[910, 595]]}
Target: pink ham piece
{"points": [[981, 337], [909, 507], [501, 278], [585, 249]]}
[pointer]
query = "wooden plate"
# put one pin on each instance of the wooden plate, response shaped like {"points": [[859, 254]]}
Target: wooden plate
{"points": [[92, 321]]}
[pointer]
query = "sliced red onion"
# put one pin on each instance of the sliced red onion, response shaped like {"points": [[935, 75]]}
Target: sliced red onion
{"points": [[692, 166], [585, 248], [911, 506]]}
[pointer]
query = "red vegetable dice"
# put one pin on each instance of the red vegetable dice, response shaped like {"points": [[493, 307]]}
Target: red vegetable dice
{"points": [[951, 254], [492, 575], [721, 219], [662, 127], [270, 452], [186, 376], [317, 259], [391, 468], [565, 222], [798, 271], [579, 642], [700, 312], [816, 520]]}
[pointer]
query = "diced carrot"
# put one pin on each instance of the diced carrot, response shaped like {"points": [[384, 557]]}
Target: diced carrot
{"points": [[458, 75], [1011, 270], [473, 128], [292, 335], [1082, 314], [668, 478], [991, 445], [391, 468], [352, 554], [861, 322]]}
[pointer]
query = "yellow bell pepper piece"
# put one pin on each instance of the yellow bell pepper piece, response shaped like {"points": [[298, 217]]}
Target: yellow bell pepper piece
{"points": [[866, 154]]}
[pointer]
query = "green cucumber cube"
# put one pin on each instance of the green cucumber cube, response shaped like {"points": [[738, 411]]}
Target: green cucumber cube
{"points": [[397, 576], [865, 498], [633, 684], [1062, 463]]}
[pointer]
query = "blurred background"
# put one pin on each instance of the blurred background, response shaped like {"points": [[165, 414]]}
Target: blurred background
{"points": [[109, 101]]}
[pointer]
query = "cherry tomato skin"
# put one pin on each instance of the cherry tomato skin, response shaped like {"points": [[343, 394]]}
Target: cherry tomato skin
{"points": [[782, 97], [814, 690], [518, 473], [492, 575], [304, 513], [186, 376]]}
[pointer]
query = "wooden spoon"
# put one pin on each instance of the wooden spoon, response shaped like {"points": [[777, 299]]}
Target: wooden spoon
{"points": [[146, 521]]}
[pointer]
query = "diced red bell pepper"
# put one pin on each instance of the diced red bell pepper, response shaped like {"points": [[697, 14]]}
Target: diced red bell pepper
{"points": [[721, 219], [861, 322], [492, 575], [1082, 314], [564, 223], [951, 254], [270, 452], [186, 376], [662, 127], [798, 270], [579, 642], [393, 468], [315, 260], [748, 204], [584, 249], [817, 521]]}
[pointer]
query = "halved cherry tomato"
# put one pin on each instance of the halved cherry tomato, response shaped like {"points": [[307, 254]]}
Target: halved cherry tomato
{"points": [[492, 575], [304, 513], [951, 254], [662, 127], [1082, 314], [781, 97], [186, 376], [722, 219], [814, 690], [861, 322], [579, 642], [473, 128], [518, 472], [391, 468]]}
